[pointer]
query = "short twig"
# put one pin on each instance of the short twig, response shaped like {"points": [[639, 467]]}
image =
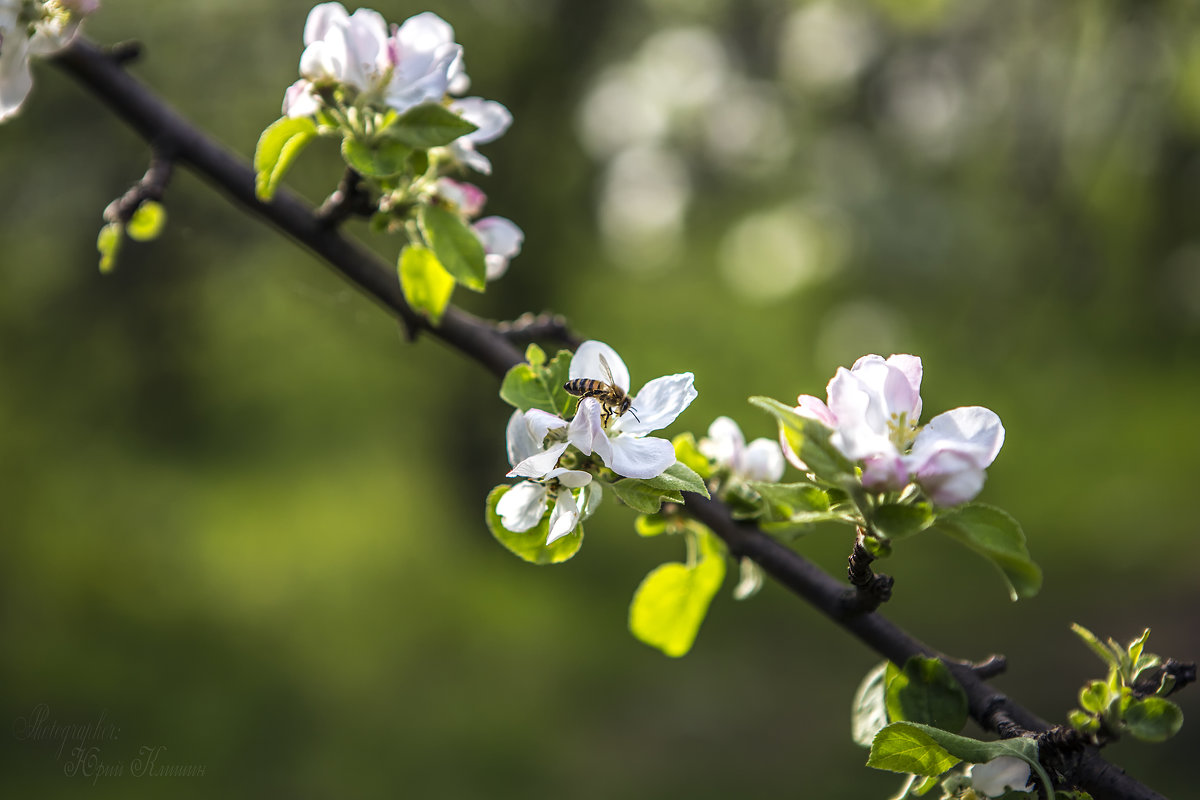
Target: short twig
{"points": [[125, 52], [538, 327], [152, 186], [350, 199]]}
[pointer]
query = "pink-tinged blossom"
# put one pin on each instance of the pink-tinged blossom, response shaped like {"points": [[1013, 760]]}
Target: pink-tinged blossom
{"points": [[468, 198], [491, 120], [623, 445], [873, 410], [501, 240]]}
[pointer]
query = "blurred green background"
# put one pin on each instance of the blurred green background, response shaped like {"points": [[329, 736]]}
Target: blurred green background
{"points": [[241, 519]]}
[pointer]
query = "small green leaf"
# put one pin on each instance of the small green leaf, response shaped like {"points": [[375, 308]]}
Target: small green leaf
{"points": [[868, 713], [670, 604], [278, 147], [1097, 647], [924, 691], [535, 355], [108, 242], [898, 521], [1134, 652], [689, 454], [526, 386], [426, 284], [428, 125], [1151, 719], [1094, 697], [797, 497], [531, 545], [641, 496], [147, 222], [379, 159], [1083, 722], [679, 477], [809, 439], [456, 245], [648, 525], [996, 535]]}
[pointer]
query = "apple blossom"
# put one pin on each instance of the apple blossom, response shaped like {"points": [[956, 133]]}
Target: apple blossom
{"points": [[1000, 776], [623, 445], [501, 240], [33, 28], [873, 411], [761, 460], [523, 506], [491, 120]]}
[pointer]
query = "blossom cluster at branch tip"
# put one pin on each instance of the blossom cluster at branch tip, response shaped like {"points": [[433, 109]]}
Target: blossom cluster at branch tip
{"points": [[396, 68], [33, 28], [538, 443], [873, 410], [761, 460]]}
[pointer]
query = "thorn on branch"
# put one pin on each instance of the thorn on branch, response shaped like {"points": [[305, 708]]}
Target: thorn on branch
{"points": [[870, 590], [152, 186], [533, 327], [349, 199], [123, 53]]}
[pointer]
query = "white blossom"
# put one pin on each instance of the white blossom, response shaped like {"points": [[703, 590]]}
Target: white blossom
{"points": [[761, 460], [30, 28], [1000, 775], [523, 506]]}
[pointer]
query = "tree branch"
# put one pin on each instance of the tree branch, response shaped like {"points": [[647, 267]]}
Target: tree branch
{"points": [[493, 347]]}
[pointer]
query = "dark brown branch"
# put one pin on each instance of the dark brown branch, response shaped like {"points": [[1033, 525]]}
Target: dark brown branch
{"points": [[481, 341], [870, 590], [152, 186], [539, 328], [349, 199]]}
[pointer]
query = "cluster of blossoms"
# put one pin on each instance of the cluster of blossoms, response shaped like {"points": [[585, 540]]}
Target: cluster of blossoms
{"points": [[33, 28], [543, 448], [359, 75], [873, 409], [761, 460]]}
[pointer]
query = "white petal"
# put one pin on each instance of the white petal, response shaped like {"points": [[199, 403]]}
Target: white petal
{"points": [[950, 477], [574, 478], [522, 506], [540, 424], [322, 18], [299, 101], [589, 498], [563, 518], [658, 404], [970, 430], [815, 408], [15, 78], [491, 118], [640, 457], [494, 266], [587, 433], [884, 472], [499, 235], [724, 442], [586, 364], [762, 461], [519, 440], [911, 367], [1000, 775], [751, 580], [424, 32], [536, 466]]}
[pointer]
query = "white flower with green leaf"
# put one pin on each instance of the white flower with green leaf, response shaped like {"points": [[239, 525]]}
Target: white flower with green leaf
{"points": [[523, 506], [622, 444]]}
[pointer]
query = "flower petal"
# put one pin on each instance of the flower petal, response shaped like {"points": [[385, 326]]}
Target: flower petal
{"points": [[640, 457], [972, 430], [1000, 775], [586, 364], [762, 461], [540, 423], [491, 119], [574, 478], [658, 404], [564, 517], [587, 431], [522, 506], [815, 408], [950, 477], [322, 18], [724, 442], [537, 465]]}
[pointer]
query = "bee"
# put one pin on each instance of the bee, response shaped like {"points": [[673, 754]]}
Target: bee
{"points": [[612, 397]]}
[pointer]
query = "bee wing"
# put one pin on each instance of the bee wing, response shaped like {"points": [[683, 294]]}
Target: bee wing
{"points": [[608, 376]]}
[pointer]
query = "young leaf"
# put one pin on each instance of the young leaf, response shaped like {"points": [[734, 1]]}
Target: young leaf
{"points": [[278, 147], [795, 496], [427, 286], [924, 691], [526, 386], [899, 520], [456, 245], [379, 159], [679, 477], [147, 222], [535, 355], [428, 125], [669, 605], [108, 242], [642, 496], [1094, 697], [687, 453], [1151, 719], [530, 545], [647, 525], [994, 534], [868, 714], [809, 439], [1097, 647]]}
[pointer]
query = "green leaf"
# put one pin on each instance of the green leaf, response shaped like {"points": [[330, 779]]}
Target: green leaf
{"points": [[526, 386], [809, 439], [1094, 697], [428, 125], [108, 242], [922, 749], [868, 713], [1083, 722], [679, 477], [924, 691], [648, 525], [689, 454], [670, 604], [535, 355], [900, 520], [379, 159], [796, 497], [641, 496], [1090, 639], [456, 245], [426, 284], [531, 545], [1151, 719], [997, 536], [278, 147], [147, 222], [1134, 653]]}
